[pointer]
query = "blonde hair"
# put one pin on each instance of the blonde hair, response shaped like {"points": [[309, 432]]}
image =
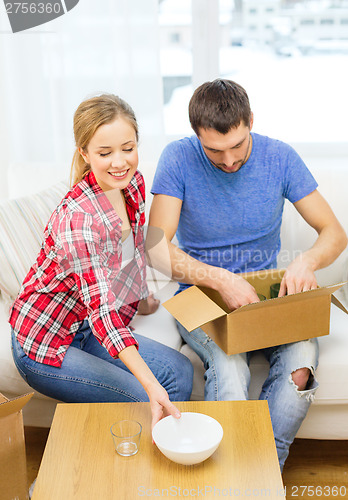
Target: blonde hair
{"points": [[89, 116]]}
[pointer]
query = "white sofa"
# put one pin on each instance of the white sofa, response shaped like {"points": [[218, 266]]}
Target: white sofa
{"points": [[328, 415]]}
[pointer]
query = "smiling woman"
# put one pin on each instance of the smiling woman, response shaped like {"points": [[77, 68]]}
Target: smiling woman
{"points": [[106, 136], [70, 322], [111, 153], [115, 167]]}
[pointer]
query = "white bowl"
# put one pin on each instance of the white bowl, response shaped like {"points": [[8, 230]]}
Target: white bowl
{"points": [[188, 440]]}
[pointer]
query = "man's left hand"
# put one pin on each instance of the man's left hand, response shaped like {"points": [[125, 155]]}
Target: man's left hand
{"points": [[298, 277]]}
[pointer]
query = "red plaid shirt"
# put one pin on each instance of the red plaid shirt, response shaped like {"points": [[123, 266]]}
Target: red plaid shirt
{"points": [[78, 275]]}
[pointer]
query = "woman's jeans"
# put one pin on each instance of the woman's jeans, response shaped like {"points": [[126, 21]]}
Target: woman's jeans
{"points": [[89, 374], [227, 378]]}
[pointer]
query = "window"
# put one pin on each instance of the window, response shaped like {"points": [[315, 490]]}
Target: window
{"points": [[326, 21], [307, 22], [296, 81], [176, 62], [175, 38]]}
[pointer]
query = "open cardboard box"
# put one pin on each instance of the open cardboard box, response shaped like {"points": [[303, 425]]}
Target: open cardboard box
{"points": [[13, 469], [255, 326]]}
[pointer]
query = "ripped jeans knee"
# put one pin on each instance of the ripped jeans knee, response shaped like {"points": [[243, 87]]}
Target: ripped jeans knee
{"points": [[304, 382]]}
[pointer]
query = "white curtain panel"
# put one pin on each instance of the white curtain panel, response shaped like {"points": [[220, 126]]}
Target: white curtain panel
{"points": [[104, 46]]}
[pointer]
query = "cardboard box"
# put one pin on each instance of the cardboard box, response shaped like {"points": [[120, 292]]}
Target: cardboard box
{"points": [[255, 326], [13, 467]]}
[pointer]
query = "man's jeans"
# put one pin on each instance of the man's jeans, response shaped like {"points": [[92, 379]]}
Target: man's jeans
{"points": [[227, 378], [89, 374]]}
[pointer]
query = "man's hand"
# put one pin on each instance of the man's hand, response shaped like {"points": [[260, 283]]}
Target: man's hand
{"points": [[236, 291], [298, 277], [148, 305]]}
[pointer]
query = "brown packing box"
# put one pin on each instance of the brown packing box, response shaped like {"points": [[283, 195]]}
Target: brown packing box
{"points": [[255, 326], [13, 470]]}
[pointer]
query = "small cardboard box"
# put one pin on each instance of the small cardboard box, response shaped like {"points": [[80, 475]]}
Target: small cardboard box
{"points": [[13, 469], [255, 326]]}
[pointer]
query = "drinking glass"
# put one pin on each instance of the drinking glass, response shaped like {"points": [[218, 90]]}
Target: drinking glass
{"points": [[126, 435]]}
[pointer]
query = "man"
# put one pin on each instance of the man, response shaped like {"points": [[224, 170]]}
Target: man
{"points": [[222, 192]]}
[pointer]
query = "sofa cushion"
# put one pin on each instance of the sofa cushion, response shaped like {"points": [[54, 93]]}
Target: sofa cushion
{"points": [[159, 326], [344, 290], [10, 380], [22, 222]]}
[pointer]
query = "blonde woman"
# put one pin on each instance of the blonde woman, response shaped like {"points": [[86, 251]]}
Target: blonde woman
{"points": [[70, 322]]}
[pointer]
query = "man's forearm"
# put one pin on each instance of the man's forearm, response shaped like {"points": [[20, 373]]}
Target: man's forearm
{"points": [[330, 243], [174, 263], [332, 238], [299, 275], [166, 257], [189, 270]]}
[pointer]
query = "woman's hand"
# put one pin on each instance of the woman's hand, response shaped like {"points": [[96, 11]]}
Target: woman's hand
{"points": [[159, 401], [160, 404], [148, 305]]}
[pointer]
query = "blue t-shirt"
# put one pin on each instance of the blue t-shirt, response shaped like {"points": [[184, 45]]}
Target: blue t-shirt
{"points": [[232, 220]]}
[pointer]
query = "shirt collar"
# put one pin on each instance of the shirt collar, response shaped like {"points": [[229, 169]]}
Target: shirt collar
{"points": [[130, 195], [131, 192]]}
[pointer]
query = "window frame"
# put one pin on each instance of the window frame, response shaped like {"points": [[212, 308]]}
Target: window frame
{"points": [[205, 58]]}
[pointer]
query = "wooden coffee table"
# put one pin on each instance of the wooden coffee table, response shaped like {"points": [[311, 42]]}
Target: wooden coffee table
{"points": [[80, 461]]}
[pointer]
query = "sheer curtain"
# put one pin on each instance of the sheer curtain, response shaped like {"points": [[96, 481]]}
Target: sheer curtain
{"points": [[107, 46]]}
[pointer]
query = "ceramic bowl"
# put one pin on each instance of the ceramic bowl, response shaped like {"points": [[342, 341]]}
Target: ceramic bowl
{"points": [[188, 440]]}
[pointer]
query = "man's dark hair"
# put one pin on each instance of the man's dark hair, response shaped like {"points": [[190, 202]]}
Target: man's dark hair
{"points": [[220, 105]]}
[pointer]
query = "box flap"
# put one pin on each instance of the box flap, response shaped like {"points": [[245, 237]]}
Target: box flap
{"points": [[262, 280], [272, 275], [3, 399], [338, 304], [13, 470], [193, 308], [14, 405], [333, 288], [296, 297]]}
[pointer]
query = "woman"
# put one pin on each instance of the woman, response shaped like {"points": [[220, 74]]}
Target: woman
{"points": [[71, 337]]}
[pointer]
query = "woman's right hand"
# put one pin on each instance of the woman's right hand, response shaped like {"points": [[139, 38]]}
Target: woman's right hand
{"points": [[159, 401], [160, 404]]}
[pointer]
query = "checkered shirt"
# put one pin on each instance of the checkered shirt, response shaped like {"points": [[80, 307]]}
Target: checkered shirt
{"points": [[78, 275]]}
